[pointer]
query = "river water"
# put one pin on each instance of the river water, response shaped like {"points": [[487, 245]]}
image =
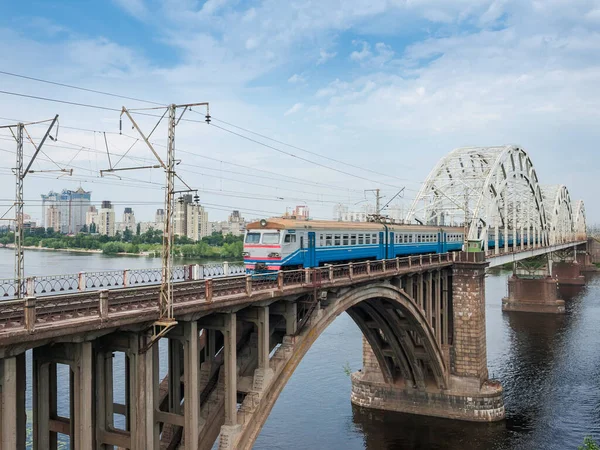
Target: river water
{"points": [[548, 365]]}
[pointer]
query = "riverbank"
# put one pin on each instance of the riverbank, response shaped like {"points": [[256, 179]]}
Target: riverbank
{"points": [[80, 250]]}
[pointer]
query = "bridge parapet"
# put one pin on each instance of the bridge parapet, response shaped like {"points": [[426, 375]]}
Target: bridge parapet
{"points": [[111, 279]]}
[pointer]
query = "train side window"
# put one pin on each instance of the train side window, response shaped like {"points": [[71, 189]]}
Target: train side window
{"points": [[410, 238], [374, 239], [345, 239], [289, 238], [367, 238], [328, 240], [352, 239], [361, 239], [336, 239], [321, 240]]}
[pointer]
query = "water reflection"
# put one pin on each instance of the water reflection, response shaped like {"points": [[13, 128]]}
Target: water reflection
{"points": [[384, 430], [549, 366]]}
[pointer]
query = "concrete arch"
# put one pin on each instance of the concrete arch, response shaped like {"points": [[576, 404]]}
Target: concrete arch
{"points": [[376, 301], [487, 189]]}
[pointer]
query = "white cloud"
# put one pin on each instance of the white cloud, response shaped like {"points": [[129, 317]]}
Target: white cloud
{"points": [[363, 54], [325, 56], [297, 79], [294, 109], [136, 8]]}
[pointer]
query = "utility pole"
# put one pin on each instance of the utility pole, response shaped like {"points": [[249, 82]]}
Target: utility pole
{"points": [[19, 203], [166, 318], [19, 256], [377, 201]]}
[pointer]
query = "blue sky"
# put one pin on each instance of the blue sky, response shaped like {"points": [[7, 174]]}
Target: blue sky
{"points": [[388, 85]]}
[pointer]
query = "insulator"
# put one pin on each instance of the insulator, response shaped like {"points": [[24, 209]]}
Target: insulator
{"points": [[207, 118]]}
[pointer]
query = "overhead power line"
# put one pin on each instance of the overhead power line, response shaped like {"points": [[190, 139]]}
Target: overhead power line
{"points": [[219, 120]]}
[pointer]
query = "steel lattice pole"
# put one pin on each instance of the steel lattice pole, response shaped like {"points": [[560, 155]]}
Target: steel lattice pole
{"points": [[19, 258], [166, 288]]}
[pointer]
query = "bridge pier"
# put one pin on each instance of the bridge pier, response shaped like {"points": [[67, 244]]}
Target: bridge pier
{"points": [[459, 324], [539, 295], [12, 403]]}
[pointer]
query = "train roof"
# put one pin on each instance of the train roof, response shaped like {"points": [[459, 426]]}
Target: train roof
{"points": [[282, 223]]}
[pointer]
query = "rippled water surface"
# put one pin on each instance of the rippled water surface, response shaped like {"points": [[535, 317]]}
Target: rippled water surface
{"points": [[548, 365]]}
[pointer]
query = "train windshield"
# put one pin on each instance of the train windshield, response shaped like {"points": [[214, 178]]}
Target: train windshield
{"points": [[252, 238], [270, 238]]}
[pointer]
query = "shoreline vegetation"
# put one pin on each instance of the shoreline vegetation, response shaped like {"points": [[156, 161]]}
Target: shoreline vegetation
{"points": [[148, 244]]}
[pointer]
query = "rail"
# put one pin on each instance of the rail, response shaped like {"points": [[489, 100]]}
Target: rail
{"points": [[110, 279], [33, 313]]}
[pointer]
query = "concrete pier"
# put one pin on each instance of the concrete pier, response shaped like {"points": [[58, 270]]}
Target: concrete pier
{"points": [[539, 295]]}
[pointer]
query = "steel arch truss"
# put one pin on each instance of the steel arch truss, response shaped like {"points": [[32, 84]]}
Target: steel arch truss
{"points": [[579, 224], [491, 191], [559, 214]]}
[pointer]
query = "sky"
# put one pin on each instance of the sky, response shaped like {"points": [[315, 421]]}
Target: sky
{"points": [[331, 97]]}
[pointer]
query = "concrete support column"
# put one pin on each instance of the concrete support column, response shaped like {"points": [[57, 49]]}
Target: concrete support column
{"points": [[429, 297], [145, 428], [44, 401], [13, 419], [291, 318], [104, 393], [409, 286], [445, 310], [230, 354], [420, 290], [175, 371], [81, 421], [437, 306], [469, 355], [191, 386], [264, 337]]}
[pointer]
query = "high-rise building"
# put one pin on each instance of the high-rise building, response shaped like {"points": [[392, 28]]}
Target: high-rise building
{"points": [[197, 222], [106, 219], [91, 216], [128, 219], [180, 217], [53, 218], [72, 205]]}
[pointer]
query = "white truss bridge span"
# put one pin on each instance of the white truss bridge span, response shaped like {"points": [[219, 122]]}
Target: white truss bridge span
{"points": [[495, 191]]}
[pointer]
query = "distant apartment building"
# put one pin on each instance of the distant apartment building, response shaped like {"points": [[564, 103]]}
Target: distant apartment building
{"points": [[65, 212], [190, 219], [91, 216], [197, 222], [128, 219], [159, 217], [180, 214], [106, 219], [235, 224]]}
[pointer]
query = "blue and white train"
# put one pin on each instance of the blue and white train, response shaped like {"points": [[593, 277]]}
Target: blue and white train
{"points": [[284, 244]]}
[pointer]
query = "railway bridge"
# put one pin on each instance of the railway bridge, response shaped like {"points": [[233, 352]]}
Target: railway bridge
{"points": [[239, 337]]}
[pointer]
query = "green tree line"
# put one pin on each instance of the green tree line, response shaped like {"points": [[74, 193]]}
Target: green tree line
{"points": [[214, 246]]}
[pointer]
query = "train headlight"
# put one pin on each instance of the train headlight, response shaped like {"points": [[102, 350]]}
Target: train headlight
{"points": [[245, 253], [274, 255]]}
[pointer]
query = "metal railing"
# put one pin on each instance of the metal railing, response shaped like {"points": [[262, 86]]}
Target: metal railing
{"points": [[110, 279], [33, 312]]}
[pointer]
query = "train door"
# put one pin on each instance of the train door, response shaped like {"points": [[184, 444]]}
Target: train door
{"points": [[382, 245], [392, 250], [311, 254], [441, 241]]}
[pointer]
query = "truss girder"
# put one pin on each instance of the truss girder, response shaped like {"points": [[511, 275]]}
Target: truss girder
{"points": [[487, 190], [579, 224], [557, 203]]}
